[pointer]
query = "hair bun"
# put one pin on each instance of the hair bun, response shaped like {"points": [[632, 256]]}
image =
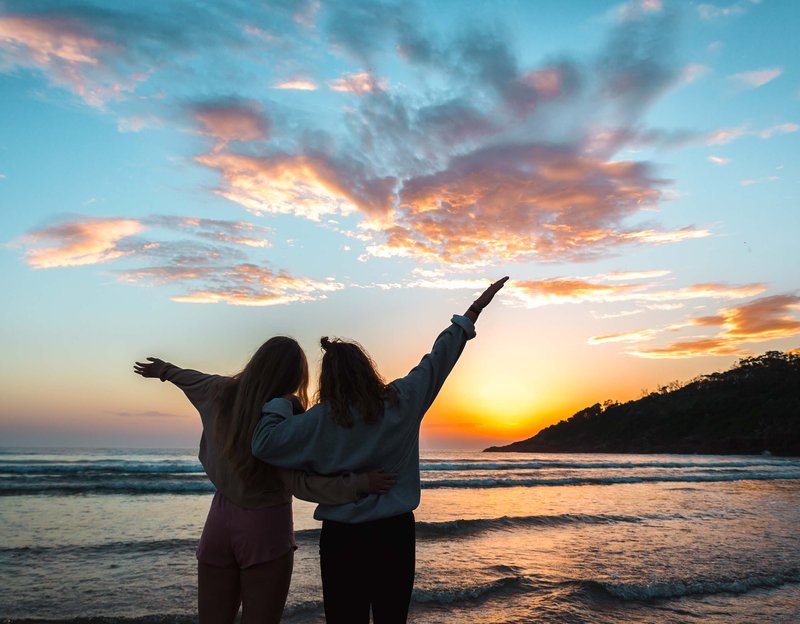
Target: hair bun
{"points": [[325, 343]]}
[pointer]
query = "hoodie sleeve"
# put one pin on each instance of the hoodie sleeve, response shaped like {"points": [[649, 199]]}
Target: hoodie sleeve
{"points": [[288, 441], [420, 387], [198, 387], [344, 488]]}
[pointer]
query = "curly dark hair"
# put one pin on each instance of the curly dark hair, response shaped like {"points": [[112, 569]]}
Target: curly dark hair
{"points": [[350, 383]]}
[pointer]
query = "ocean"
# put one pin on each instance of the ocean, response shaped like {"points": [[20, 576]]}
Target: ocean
{"points": [[109, 536]]}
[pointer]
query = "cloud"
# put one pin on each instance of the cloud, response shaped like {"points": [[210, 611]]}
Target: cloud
{"points": [[712, 12], [218, 230], [700, 347], [785, 128], [633, 336], [241, 284], [761, 320], [727, 135], [64, 48], [91, 241], [496, 160], [514, 203], [757, 78], [86, 241], [359, 83], [596, 289], [308, 185], [719, 160], [536, 293], [206, 272], [296, 84], [105, 54], [617, 276], [767, 318], [231, 120]]}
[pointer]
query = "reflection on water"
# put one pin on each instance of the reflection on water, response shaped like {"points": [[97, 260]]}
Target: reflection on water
{"points": [[587, 538]]}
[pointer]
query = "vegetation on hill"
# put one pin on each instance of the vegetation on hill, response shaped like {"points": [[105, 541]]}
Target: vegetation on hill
{"points": [[752, 408]]}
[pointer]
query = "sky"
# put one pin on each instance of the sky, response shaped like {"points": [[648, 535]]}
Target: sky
{"points": [[186, 179]]}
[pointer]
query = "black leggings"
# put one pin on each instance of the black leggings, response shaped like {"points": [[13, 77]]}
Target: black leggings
{"points": [[368, 564]]}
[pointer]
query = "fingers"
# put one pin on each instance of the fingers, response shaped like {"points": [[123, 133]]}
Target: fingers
{"points": [[387, 484]]}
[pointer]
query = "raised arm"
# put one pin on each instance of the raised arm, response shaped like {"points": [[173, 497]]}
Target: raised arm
{"points": [[420, 387], [197, 386]]}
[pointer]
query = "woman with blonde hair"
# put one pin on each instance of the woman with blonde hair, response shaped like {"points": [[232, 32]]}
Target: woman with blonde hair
{"points": [[367, 546], [246, 552]]}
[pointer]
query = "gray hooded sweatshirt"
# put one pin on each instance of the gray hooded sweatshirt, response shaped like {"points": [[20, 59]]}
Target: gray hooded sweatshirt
{"points": [[314, 442]]}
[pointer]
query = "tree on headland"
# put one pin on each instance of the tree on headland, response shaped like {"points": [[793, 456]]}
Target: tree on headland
{"points": [[752, 408]]}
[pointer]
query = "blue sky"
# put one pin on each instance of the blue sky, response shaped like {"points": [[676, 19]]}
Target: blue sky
{"points": [[185, 180]]}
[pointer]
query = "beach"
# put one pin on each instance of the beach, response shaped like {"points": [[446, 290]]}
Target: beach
{"points": [[110, 534]]}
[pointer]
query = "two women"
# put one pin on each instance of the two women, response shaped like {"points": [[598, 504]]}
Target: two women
{"points": [[367, 545], [246, 551]]}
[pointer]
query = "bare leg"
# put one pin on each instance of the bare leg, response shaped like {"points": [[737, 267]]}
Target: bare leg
{"points": [[264, 589], [217, 594]]}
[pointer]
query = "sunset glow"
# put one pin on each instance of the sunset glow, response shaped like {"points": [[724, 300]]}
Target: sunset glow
{"points": [[364, 169]]}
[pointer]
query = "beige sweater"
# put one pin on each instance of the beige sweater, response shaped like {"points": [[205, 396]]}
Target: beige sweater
{"points": [[280, 484]]}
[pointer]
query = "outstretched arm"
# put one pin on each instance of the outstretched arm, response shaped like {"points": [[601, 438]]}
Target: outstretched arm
{"points": [[422, 384], [474, 310], [196, 385]]}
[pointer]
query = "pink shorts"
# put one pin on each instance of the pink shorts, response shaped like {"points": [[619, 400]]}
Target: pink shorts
{"points": [[234, 536]]}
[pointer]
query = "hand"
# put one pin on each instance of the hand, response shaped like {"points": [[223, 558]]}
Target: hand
{"points": [[487, 295], [380, 482], [297, 406], [153, 368]]}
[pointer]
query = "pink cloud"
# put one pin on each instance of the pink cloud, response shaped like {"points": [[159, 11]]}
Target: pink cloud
{"points": [[577, 290], [241, 284], [632, 336], [359, 83], [785, 128], [691, 348], [204, 272], [91, 241], [757, 78], [616, 276], [761, 320], [725, 135], [296, 84], [515, 202], [70, 54], [767, 318], [547, 82], [309, 185], [719, 160], [232, 120]]}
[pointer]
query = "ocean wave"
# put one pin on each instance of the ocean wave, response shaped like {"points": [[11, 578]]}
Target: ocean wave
{"points": [[117, 548], [107, 467], [424, 530], [463, 527], [645, 592], [480, 483], [102, 619], [506, 585], [123, 487], [197, 484], [466, 465], [446, 596]]}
